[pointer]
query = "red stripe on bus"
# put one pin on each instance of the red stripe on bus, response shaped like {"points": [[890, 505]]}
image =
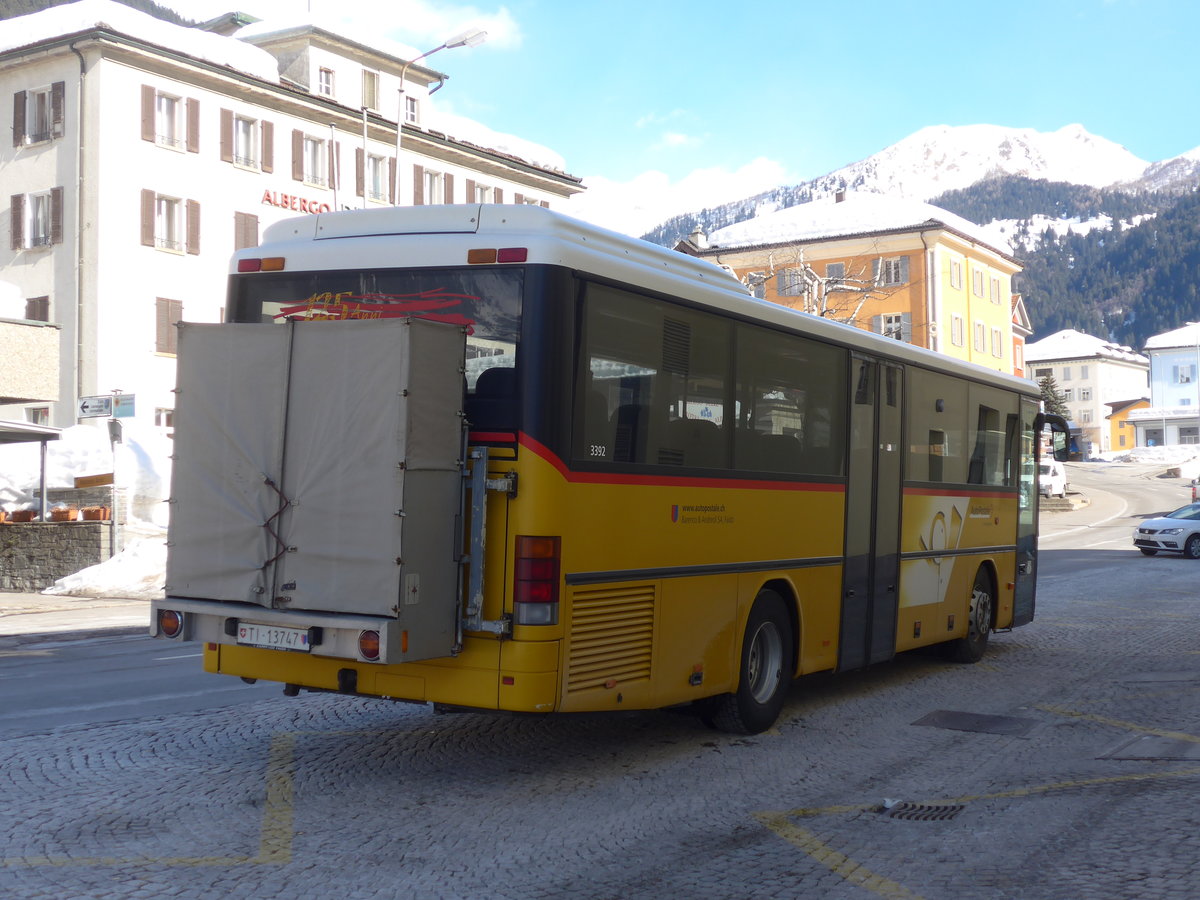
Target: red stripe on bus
{"points": [[544, 452], [493, 436]]}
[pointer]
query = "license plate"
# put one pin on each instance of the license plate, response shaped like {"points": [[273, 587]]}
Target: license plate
{"points": [[276, 638]]}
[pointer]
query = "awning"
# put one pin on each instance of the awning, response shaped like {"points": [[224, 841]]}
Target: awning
{"points": [[21, 432]]}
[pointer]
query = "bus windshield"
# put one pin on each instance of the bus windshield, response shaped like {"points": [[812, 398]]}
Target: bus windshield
{"points": [[485, 301]]}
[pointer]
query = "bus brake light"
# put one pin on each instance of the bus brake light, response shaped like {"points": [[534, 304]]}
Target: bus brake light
{"points": [[266, 264], [535, 590]]}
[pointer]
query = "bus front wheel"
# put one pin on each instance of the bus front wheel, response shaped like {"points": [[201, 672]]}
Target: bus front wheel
{"points": [[764, 673], [970, 649]]}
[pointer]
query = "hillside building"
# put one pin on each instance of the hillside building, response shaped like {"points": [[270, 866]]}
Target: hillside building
{"points": [[1091, 373], [896, 267], [1173, 416], [144, 153]]}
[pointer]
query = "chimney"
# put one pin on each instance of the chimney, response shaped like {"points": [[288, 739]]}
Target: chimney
{"points": [[698, 238], [839, 196]]}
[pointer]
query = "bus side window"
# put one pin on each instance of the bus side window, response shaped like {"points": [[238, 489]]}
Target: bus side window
{"points": [[493, 406]]}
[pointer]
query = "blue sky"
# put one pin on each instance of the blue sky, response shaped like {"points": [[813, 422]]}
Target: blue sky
{"points": [[700, 102]]}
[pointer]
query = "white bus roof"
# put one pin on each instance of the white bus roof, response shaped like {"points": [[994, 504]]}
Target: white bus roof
{"points": [[363, 239]]}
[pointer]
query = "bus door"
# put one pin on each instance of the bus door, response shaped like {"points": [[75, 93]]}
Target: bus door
{"points": [[870, 589]]}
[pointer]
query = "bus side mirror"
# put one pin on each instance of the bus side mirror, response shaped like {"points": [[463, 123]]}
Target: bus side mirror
{"points": [[1060, 435]]}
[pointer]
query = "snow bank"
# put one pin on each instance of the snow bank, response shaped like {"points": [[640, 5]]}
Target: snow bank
{"points": [[137, 573]]}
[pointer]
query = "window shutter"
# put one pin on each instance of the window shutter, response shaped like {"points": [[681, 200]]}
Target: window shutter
{"points": [[245, 230], [226, 135], [418, 186], [37, 309], [56, 215], [193, 125], [360, 171], [147, 218], [166, 314], [877, 324], [17, 220], [193, 227], [268, 147], [448, 182], [876, 265], [545, 204], [906, 326], [904, 270], [18, 118], [58, 92], [297, 155], [499, 194], [518, 199], [147, 113], [392, 180], [470, 198]]}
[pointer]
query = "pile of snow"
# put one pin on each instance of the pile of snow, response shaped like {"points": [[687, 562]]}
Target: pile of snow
{"points": [[1185, 457], [136, 573]]}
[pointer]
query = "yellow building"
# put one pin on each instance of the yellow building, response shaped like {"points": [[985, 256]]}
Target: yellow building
{"points": [[1122, 434], [896, 267]]}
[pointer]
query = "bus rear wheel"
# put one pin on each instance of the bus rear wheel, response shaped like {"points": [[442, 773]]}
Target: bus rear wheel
{"points": [[764, 673], [971, 648]]}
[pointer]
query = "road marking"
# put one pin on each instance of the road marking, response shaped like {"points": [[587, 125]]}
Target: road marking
{"points": [[181, 656], [1118, 723]]}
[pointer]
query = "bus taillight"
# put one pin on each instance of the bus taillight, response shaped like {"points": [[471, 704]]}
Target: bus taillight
{"points": [[535, 591]]}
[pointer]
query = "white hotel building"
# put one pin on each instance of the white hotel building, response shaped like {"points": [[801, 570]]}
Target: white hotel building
{"points": [[144, 153]]}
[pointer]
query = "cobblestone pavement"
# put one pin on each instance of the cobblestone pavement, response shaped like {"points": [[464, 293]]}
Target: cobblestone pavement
{"points": [[1072, 775]]}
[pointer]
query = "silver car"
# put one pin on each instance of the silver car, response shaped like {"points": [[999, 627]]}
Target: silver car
{"points": [[1176, 532]]}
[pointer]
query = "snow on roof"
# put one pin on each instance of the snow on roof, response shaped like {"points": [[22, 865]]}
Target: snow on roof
{"points": [[1071, 344], [858, 213], [1187, 336], [298, 20], [86, 15]]}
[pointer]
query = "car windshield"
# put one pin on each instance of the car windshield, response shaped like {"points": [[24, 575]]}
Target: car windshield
{"points": [[1191, 511]]}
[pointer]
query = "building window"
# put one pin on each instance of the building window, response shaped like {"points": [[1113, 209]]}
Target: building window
{"points": [[893, 326], [1068, 395], [980, 337], [891, 271], [1043, 373], [1018, 356], [994, 290], [245, 142], [433, 186], [481, 193], [956, 274], [377, 178], [38, 114], [1121, 440], [835, 274], [36, 219], [370, 84], [168, 124], [997, 343], [170, 223], [1066, 373], [37, 415], [167, 314], [325, 82], [1184, 374], [790, 283], [957, 332], [313, 162], [1085, 394], [412, 110], [37, 309], [1083, 372], [977, 282], [164, 417], [1085, 416]]}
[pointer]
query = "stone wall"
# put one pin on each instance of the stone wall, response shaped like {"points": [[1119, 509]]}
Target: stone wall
{"points": [[35, 555]]}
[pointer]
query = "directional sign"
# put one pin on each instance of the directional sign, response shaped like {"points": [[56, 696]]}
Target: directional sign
{"points": [[92, 407]]}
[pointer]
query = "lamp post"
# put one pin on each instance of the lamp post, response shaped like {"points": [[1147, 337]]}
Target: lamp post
{"points": [[1195, 326], [472, 37]]}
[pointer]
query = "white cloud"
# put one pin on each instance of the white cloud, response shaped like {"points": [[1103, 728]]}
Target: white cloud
{"points": [[671, 140], [634, 207]]}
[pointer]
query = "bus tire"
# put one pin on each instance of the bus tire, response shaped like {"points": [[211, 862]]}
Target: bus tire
{"points": [[970, 649], [764, 674]]}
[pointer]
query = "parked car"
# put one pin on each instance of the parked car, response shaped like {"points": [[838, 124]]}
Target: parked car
{"points": [[1176, 532], [1052, 478]]}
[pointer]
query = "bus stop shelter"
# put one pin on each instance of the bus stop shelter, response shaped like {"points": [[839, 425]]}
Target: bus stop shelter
{"points": [[24, 432]]}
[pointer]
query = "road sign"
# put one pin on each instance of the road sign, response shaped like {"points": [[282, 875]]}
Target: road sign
{"points": [[123, 406], [93, 407]]}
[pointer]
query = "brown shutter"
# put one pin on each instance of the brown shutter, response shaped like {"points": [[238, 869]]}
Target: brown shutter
{"points": [[498, 195], [418, 186], [193, 227], [470, 198], [56, 215], [17, 220], [166, 314], [297, 155], [37, 309], [226, 135], [518, 199], [247, 231], [18, 118], [58, 92], [147, 218], [448, 183], [268, 149], [545, 204], [193, 125], [392, 180], [360, 172], [147, 113]]}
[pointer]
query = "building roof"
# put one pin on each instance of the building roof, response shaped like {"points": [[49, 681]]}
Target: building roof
{"points": [[859, 214], [1071, 344], [1187, 336], [1120, 406], [21, 432]]}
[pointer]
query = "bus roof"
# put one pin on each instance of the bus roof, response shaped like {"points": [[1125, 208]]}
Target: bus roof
{"points": [[365, 239]]}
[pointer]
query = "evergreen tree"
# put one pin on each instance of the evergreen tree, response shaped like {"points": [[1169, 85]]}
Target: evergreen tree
{"points": [[1052, 398]]}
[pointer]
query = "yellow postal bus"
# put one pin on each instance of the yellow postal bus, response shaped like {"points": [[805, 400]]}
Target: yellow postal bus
{"points": [[491, 457]]}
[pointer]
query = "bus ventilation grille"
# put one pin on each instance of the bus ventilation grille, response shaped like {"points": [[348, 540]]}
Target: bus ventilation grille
{"points": [[612, 637]]}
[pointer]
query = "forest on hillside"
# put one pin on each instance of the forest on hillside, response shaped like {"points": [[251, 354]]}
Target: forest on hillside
{"points": [[12, 8]]}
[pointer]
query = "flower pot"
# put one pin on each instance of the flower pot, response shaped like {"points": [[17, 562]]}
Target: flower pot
{"points": [[67, 514], [23, 515], [95, 513]]}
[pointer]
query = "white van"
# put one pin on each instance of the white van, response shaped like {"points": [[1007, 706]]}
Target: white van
{"points": [[1052, 479]]}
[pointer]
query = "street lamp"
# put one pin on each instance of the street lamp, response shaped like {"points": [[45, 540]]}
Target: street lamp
{"points": [[472, 37], [1195, 326]]}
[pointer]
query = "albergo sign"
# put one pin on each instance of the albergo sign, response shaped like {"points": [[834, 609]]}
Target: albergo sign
{"points": [[292, 201]]}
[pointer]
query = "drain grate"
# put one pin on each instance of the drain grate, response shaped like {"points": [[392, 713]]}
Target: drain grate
{"points": [[923, 812]]}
